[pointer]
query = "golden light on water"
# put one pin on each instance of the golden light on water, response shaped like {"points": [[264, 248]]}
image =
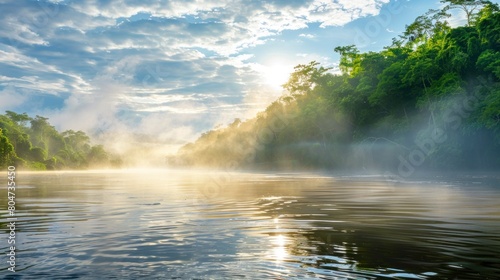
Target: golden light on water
{"points": [[279, 250], [278, 244]]}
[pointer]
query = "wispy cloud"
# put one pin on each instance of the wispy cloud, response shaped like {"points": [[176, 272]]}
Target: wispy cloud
{"points": [[102, 64]]}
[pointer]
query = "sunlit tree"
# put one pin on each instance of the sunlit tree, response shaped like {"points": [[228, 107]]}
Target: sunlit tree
{"points": [[7, 153]]}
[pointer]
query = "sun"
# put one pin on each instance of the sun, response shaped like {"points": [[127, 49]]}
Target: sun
{"points": [[276, 74]]}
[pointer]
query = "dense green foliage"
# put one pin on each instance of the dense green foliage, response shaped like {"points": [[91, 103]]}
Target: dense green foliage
{"points": [[430, 100], [32, 143]]}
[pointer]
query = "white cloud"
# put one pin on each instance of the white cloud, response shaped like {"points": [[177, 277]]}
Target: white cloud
{"points": [[34, 83], [459, 18], [224, 27], [186, 109], [13, 57], [90, 112], [11, 99], [153, 58], [308, 36]]}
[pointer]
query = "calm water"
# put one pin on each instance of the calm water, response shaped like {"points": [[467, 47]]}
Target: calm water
{"points": [[175, 225]]}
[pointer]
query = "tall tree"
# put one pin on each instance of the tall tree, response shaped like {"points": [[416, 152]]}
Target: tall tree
{"points": [[424, 27], [469, 7]]}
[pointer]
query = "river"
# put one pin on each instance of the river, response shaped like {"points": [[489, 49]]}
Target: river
{"points": [[166, 224]]}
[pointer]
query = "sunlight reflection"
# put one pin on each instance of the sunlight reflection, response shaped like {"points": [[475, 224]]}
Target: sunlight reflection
{"points": [[279, 250], [271, 198]]}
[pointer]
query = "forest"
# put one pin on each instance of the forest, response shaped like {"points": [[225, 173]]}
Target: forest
{"points": [[34, 144], [430, 100]]}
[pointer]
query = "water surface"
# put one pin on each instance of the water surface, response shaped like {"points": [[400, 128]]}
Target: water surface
{"points": [[215, 225]]}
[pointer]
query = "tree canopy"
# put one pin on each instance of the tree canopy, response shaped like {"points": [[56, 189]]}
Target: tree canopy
{"points": [[384, 108], [33, 143]]}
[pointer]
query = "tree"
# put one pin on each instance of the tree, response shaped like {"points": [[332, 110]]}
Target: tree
{"points": [[14, 128], [489, 27], [45, 136], [41, 146], [424, 27], [489, 61], [38, 154], [469, 7], [97, 155], [488, 11], [425, 80], [390, 88], [39, 131], [491, 113], [7, 153], [78, 141], [348, 56], [304, 78], [19, 119]]}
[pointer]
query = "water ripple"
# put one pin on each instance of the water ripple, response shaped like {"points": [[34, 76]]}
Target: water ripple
{"points": [[167, 225]]}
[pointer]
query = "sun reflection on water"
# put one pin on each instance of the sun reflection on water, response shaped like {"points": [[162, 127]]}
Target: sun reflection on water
{"points": [[279, 250], [278, 243]]}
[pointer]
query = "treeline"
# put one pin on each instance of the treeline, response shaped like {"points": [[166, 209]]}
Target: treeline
{"points": [[430, 100], [32, 143]]}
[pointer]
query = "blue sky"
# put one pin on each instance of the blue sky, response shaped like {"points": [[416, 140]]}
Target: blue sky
{"points": [[174, 69]]}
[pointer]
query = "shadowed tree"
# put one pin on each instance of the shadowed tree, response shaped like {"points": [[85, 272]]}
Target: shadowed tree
{"points": [[97, 156], [38, 154]]}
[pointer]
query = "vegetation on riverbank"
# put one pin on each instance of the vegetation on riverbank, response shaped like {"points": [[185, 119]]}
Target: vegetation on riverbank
{"points": [[430, 100], [32, 143]]}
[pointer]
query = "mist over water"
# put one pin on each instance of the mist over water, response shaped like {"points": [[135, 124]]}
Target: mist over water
{"points": [[127, 224], [417, 122]]}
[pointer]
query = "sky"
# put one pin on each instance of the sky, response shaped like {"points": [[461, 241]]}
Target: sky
{"points": [[174, 69]]}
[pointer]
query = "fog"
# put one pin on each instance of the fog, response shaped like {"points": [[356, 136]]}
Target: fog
{"points": [[429, 140]]}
